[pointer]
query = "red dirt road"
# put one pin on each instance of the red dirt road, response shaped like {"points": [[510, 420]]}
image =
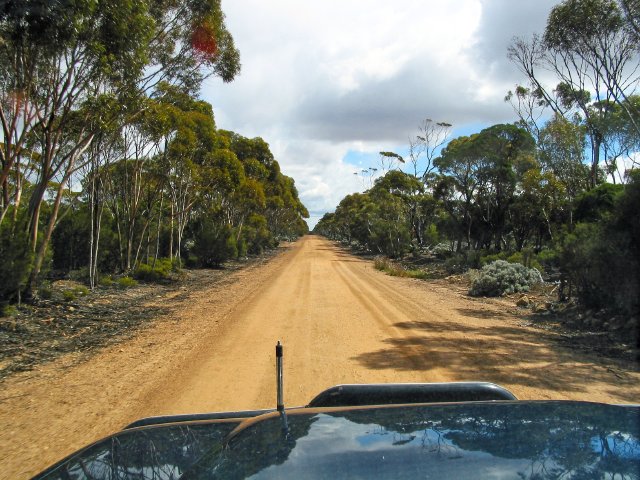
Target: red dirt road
{"points": [[340, 321]]}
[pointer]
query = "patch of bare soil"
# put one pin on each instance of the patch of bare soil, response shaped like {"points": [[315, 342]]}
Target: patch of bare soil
{"points": [[48, 328]]}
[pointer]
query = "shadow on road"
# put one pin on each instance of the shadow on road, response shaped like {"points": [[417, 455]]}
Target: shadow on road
{"points": [[505, 355]]}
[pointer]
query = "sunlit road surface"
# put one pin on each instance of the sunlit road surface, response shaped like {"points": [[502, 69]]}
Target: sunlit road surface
{"points": [[340, 321]]}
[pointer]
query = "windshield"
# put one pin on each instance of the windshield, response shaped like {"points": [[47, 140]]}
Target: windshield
{"points": [[530, 440]]}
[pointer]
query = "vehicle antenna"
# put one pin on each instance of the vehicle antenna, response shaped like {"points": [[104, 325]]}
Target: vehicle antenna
{"points": [[279, 378], [280, 382]]}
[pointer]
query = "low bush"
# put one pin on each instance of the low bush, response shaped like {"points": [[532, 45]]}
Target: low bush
{"points": [[45, 293], [81, 291], [455, 264], [8, 311], [214, 244], [525, 257], [73, 293], [106, 281], [442, 250], [68, 295], [396, 270], [79, 275], [461, 262], [127, 282], [160, 271], [500, 277]]}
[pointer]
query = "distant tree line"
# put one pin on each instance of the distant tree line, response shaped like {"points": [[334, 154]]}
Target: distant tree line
{"points": [[547, 191], [108, 160]]}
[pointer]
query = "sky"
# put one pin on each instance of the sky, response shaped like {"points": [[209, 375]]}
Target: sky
{"points": [[329, 84]]}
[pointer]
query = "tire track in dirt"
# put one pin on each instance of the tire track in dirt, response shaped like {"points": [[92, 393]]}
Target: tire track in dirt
{"points": [[340, 321]]}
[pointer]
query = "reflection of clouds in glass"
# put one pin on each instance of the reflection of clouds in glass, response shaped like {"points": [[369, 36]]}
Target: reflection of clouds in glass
{"points": [[518, 440], [157, 453], [489, 441], [339, 448]]}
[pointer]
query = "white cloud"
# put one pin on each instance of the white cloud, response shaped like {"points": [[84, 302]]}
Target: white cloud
{"points": [[321, 79]]}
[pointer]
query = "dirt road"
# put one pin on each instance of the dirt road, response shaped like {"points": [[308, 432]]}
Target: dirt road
{"points": [[340, 321]]}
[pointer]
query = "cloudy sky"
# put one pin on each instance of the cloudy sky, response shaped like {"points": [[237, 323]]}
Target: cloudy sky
{"points": [[329, 84]]}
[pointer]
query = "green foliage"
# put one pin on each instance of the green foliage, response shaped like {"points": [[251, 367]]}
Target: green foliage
{"points": [[500, 277], [602, 259], [157, 271], [461, 262], [15, 261], [598, 203], [8, 311], [456, 263], [71, 294], [431, 235], [69, 242], [68, 295], [394, 269], [81, 290], [525, 257], [106, 281], [214, 244], [126, 282], [45, 292]]}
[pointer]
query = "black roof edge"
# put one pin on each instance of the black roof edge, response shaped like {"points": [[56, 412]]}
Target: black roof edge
{"points": [[356, 395], [406, 393]]}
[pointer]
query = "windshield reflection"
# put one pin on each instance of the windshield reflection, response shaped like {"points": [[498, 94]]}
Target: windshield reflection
{"points": [[161, 453], [520, 441]]}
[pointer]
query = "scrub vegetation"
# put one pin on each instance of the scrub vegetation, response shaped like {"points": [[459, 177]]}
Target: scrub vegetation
{"points": [[549, 192], [110, 165]]}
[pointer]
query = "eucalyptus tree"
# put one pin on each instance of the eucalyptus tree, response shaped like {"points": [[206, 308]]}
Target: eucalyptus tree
{"points": [[561, 150], [424, 146], [538, 210], [596, 33], [507, 151], [590, 50], [478, 178], [57, 59], [69, 69], [459, 166]]}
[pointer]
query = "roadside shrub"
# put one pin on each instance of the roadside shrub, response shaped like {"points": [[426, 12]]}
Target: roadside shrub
{"points": [[81, 291], [214, 244], [79, 275], [601, 264], [73, 293], [15, 261], [154, 273], [461, 262], [500, 277], [455, 264], [396, 270], [45, 293], [126, 282], [547, 258], [68, 295], [106, 281], [442, 250], [381, 263], [8, 311], [525, 257]]}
